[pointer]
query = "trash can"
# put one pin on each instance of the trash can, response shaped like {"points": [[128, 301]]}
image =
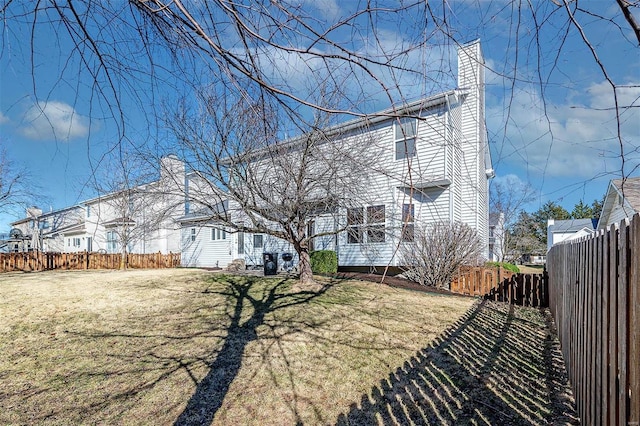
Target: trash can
{"points": [[287, 264], [270, 263]]}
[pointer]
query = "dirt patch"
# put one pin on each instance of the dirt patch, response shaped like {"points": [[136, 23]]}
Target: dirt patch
{"points": [[397, 282]]}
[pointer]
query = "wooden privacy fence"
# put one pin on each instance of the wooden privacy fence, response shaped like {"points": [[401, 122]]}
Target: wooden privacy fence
{"points": [[594, 290], [478, 281], [45, 261], [502, 285]]}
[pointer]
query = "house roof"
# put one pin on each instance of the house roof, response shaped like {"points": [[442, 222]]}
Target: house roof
{"points": [[119, 221], [44, 215], [630, 189], [573, 225], [407, 109], [76, 228]]}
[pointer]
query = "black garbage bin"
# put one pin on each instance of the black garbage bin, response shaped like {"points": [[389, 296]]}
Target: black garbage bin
{"points": [[270, 261]]}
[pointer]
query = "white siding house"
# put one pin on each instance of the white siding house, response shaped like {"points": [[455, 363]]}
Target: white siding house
{"points": [[571, 229], [147, 214], [621, 201], [432, 168]]}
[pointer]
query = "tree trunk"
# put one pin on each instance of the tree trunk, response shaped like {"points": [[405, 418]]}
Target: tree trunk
{"points": [[304, 267], [123, 259], [305, 280]]}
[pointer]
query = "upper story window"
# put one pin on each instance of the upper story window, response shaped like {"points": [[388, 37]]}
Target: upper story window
{"points": [[404, 137], [88, 211], [193, 234]]}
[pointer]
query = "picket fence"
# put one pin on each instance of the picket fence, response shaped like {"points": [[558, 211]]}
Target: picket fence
{"points": [[45, 261], [594, 290]]}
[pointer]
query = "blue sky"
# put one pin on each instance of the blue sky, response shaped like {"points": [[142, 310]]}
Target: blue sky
{"points": [[548, 104]]}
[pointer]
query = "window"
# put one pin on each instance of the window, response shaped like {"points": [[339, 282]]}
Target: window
{"points": [[404, 137], [218, 234], [112, 241], [76, 242], [88, 211], [193, 234], [408, 212], [375, 220], [240, 242], [257, 241], [355, 219]]}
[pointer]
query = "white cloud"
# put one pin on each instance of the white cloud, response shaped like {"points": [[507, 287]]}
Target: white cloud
{"points": [[53, 120], [576, 138], [3, 118], [328, 9]]}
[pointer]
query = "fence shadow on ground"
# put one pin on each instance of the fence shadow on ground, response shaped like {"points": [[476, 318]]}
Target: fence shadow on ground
{"points": [[499, 364]]}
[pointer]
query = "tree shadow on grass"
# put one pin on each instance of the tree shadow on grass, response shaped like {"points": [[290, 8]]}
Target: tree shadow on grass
{"points": [[242, 329], [498, 364]]}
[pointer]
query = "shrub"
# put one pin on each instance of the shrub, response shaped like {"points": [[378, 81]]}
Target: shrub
{"points": [[324, 262], [438, 251], [508, 266]]}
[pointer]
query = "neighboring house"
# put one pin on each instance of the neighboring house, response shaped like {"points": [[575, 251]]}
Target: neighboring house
{"points": [[571, 229], [621, 201], [144, 218], [45, 231], [496, 237], [445, 179]]}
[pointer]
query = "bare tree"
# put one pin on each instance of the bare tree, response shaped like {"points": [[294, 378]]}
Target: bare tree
{"points": [[16, 188], [135, 201], [137, 52], [508, 197], [249, 181], [438, 252]]}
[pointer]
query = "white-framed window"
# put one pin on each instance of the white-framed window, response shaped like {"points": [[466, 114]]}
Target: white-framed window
{"points": [[240, 242], [404, 137], [76, 242], [218, 234], [375, 224], [258, 241], [408, 219], [372, 224], [112, 241], [88, 211], [193, 234], [355, 220]]}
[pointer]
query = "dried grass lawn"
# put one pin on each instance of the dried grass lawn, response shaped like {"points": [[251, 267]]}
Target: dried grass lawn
{"points": [[193, 347]]}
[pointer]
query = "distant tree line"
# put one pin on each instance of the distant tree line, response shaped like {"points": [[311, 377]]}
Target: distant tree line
{"points": [[526, 232]]}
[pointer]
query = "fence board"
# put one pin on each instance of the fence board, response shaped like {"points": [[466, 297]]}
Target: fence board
{"points": [[633, 359]]}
